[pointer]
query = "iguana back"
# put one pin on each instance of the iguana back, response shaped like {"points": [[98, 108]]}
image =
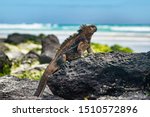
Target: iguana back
{"points": [[66, 44]]}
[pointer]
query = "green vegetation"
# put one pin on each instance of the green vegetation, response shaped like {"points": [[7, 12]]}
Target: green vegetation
{"points": [[6, 70], [16, 63], [5, 64], [34, 41], [23, 47], [105, 48], [31, 74], [121, 49], [3, 47], [21, 68], [100, 48]]}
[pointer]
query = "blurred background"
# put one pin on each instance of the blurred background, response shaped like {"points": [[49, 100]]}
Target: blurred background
{"points": [[122, 22]]}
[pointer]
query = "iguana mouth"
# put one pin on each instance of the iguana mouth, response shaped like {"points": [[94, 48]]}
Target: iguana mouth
{"points": [[95, 29]]}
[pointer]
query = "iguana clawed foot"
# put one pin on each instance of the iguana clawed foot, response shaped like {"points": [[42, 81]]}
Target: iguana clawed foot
{"points": [[64, 65]]}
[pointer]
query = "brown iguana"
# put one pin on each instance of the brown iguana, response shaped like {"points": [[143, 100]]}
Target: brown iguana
{"points": [[72, 48]]}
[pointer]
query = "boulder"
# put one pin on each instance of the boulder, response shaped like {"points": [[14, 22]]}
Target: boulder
{"points": [[2, 39], [49, 46], [5, 64], [27, 66], [30, 57], [3, 47], [12, 88], [13, 55], [17, 38], [104, 76]]}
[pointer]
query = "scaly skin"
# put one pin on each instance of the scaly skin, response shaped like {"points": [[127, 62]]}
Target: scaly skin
{"points": [[71, 49]]}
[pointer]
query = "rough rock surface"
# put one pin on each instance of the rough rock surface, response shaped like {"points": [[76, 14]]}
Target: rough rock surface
{"points": [[49, 46], [17, 38], [15, 55], [5, 64], [30, 57], [2, 39], [104, 76], [12, 88], [3, 47]]}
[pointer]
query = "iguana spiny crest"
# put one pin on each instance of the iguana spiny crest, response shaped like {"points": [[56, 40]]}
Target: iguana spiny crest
{"points": [[70, 45]]}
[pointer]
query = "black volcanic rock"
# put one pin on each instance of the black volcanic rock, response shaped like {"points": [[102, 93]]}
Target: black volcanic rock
{"points": [[5, 64], [2, 40], [3, 47], [30, 57], [49, 46], [12, 88], [17, 38], [104, 76]]}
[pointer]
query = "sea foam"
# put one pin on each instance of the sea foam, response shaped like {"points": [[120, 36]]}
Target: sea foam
{"points": [[24, 26], [74, 27]]}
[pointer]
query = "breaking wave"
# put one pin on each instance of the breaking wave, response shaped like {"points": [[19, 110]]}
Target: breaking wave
{"points": [[71, 27]]}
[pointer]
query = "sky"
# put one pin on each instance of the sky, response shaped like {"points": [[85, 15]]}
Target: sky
{"points": [[75, 11]]}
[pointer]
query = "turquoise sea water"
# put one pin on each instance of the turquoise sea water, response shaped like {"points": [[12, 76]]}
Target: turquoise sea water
{"points": [[108, 28], [73, 27]]}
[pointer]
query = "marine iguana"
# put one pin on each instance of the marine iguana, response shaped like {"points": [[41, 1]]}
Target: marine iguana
{"points": [[71, 49]]}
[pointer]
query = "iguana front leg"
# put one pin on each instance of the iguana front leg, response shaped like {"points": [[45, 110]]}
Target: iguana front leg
{"points": [[62, 61], [89, 50], [82, 47]]}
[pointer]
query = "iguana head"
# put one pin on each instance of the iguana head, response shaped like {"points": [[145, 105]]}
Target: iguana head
{"points": [[87, 29]]}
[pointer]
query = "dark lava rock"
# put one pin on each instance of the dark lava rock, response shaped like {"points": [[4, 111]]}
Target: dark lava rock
{"points": [[5, 64], [49, 46], [32, 54], [128, 95], [2, 39], [17, 38], [3, 47], [12, 88], [30, 57], [104, 76]]}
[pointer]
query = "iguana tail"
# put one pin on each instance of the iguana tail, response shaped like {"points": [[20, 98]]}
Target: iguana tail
{"points": [[51, 68]]}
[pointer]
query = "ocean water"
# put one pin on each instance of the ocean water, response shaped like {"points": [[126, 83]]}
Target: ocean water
{"points": [[136, 37], [74, 27]]}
